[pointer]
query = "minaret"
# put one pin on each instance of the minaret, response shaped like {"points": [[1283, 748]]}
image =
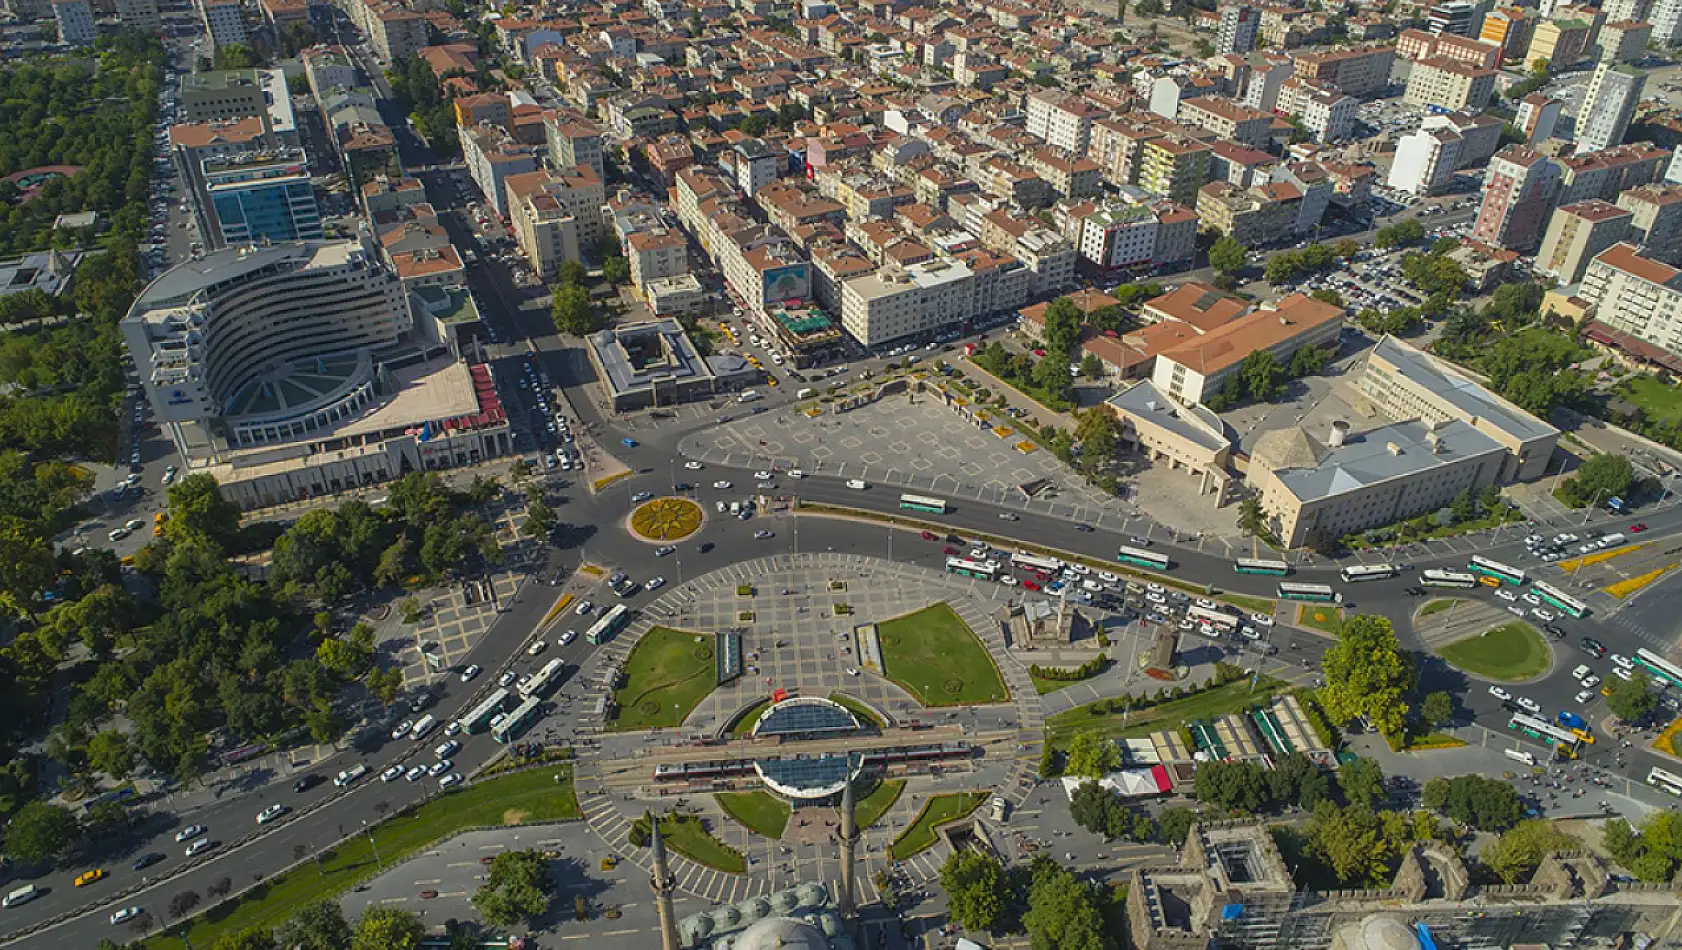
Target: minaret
{"points": [[662, 883], [849, 841]]}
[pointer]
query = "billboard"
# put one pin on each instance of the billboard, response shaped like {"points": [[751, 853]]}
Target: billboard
{"points": [[789, 280]]}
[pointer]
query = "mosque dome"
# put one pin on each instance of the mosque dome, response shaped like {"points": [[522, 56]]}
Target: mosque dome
{"points": [[781, 933]]}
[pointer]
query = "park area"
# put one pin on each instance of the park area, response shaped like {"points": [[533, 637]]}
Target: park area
{"points": [[529, 797], [1509, 653], [921, 835], [688, 836], [1109, 719], [667, 673], [939, 659], [758, 811]]}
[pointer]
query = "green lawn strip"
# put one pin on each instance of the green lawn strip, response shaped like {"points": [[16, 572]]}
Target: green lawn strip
{"points": [[1434, 740], [939, 810], [759, 811], [523, 798], [869, 810], [1320, 617], [1051, 684], [1509, 653], [1658, 402], [1255, 605], [1438, 606], [1219, 701], [669, 669], [939, 659], [750, 718], [691, 840], [858, 709]]}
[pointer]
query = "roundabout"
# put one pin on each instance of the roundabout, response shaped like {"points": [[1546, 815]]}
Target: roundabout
{"points": [[664, 520], [1510, 653]]}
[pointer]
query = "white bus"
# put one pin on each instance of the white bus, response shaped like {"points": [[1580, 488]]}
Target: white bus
{"points": [[1142, 558], [609, 624], [936, 506], [479, 719], [983, 570], [1484, 567], [1570, 606], [1216, 618], [1314, 593], [545, 678], [1368, 572], [1665, 781], [518, 721], [1658, 667], [1023, 561], [1435, 578], [1565, 741], [1245, 565]]}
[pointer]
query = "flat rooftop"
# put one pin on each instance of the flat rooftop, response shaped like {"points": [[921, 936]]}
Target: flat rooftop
{"points": [[1381, 454], [1195, 424], [1464, 394]]}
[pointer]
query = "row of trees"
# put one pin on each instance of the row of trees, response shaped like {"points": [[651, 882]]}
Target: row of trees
{"points": [[1102, 812], [1603, 476], [421, 92], [570, 305], [1287, 266], [1046, 380], [1086, 670], [1261, 378], [1057, 909], [320, 926], [1401, 234]]}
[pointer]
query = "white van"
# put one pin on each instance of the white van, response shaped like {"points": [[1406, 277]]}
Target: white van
{"points": [[22, 895], [1518, 756], [750, 395], [1612, 540], [423, 726], [806, 393], [350, 775], [857, 483]]}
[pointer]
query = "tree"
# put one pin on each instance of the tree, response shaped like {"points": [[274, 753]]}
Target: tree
{"points": [[1362, 782], [572, 274], [1634, 699], [1309, 360], [540, 520], [1325, 295], [109, 752], [1173, 824], [385, 684], [977, 888], [1051, 373], [1236, 786], [1063, 913], [1437, 708], [616, 269], [1091, 366], [197, 511], [1226, 256], [387, 928], [1403, 232], [1203, 48], [1367, 674], [1352, 843], [573, 312], [1603, 476], [1654, 852], [40, 831], [183, 902], [1062, 328], [1483, 803], [1516, 854], [1251, 519], [1099, 433], [517, 890], [1092, 755], [1261, 375]]}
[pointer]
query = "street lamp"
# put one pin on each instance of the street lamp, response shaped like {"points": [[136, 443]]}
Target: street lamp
{"points": [[373, 844]]}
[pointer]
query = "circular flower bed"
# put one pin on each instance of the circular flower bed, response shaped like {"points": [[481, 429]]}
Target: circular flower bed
{"points": [[666, 519]]}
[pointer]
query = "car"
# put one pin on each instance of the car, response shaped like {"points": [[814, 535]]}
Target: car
{"points": [[1030, 585], [146, 860], [1531, 599], [1638, 527], [1155, 597], [506, 678], [198, 847], [1262, 620], [1553, 630], [722, 484], [703, 547], [567, 637], [447, 749], [415, 773], [1589, 682], [306, 782], [1008, 581], [1528, 703], [1585, 697], [90, 876], [189, 832], [1506, 595], [1581, 671], [453, 727], [438, 768], [1593, 646], [655, 583], [1141, 542], [641, 497], [125, 915], [525, 680], [665, 550], [1207, 604], [538, 646], [392, 774], [761, 475], [472, 670], [1542, 614], [1621, 662], [584, 608], [1500, 693], [693, 466], [403, 729], [1084, 528], [271, 813], [1624, 673], [763, 534]]}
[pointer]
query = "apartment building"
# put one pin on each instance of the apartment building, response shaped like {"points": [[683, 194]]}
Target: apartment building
{"points": [[1517, 196], [488, 108], [1576, 234], [1449, 84], [1666, 17], [1069, 176], [1358, 71], [896, 303], [74, 19], [1656, 220], [492, 156], [1174, 167], [1047, 255], [1614, 91], [1452, 17], [656, 254], [1061, 119], [224, 22], [1417, 45], [140, 15], [576, 141], [1325, 114], [1267, 76], [1611, 171], [1538, 114], [1509, 28], [1624, 41], [1196, 369], [1110, 236], [1636, 295], [1228, 120], [395, 31], [1239, 25], [1262, 214], [1560, 43]]}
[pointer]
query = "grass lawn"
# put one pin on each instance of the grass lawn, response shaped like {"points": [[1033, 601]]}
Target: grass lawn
{"points": [[750, 718], [1255, 605], [1438, 606], [759, 811], [939, 810], [1215, 702], [690, 838], [1048, 684], [667, 673], [858, 709], [1657, 401], [935, 655], [1510, 652], [869, 810], [1320, 617], [522, 798]]}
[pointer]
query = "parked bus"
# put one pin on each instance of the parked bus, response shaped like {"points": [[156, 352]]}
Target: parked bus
{"points": [[1537, 728], [1220, 619], [1368, 572], [1501, 572], [982, 570], [1023, 561], [1251, 566], [1316, 593], [1142, 558], [480, 718], [1665, 781], [518, 721], [546, 678], [610, 623], [1661, 669], [1435, 578], [920, 503], [1570, 606]]}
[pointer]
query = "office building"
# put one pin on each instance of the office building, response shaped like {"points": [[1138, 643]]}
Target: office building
{"points": [[1637, 296], [1449, 85], [1537, 115], [222, 95], [75, 22], [1518, 195], [256, 198], [1614, 91], [139, 15], [1237, 30], [1198, 368], [1425, 161], [896, 303], [1576, 234], [224, 22], [1458, 17], [492, 156], [1656, 220]]}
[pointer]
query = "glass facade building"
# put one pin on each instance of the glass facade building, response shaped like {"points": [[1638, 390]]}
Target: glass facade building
{"points": [[258, 200]]}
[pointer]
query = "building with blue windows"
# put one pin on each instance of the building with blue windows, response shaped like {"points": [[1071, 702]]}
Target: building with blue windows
{"points": [[260, 197]]}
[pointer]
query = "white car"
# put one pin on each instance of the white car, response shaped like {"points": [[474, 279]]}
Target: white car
{"points": [[537, 647], [1544, 615], [507, 677], [693, 466], [198, 847], [403, 729], [1108, 578], [722, 484], [762, 476], [568, 637], [452, 779], [1585, 697], [189, 832], [1621, 662], [1529, 703], [1506, 595], [415, 773], [125, 915], [1516, 611], [447, 749], [271, 813], [468, 674], [655, 583], [438, 768], [1008, 581], [1500, 693], [1531, 599], [392, 774], [1155, 597], [665, 550], [1262, 620], [762, 534], [584, 608], [1624, 673], [852, 671], [1589, 682], [1581, 671]]}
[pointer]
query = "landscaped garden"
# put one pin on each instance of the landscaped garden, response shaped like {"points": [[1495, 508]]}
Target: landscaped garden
{"points": [[939, 659], [1107, 718], [1509, 653], [870, 808], [859, 710], [666, 519], [920, 835], [1438, 606], [686, 835], [758, 811], [1320, 617], [749, 718], [526, 797], [667, 674]]}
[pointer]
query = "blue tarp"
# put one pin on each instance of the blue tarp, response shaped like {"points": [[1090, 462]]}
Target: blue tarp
{"points": [[1424, 934], [1232, 911]]}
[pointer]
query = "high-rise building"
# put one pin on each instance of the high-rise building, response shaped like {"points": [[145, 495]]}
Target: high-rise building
{"points": [[756, 166], [1666, 17], [224, 22], [1425, 161], [1657, 220], [141, 15], [1237, 32], [260, 198], [1635, 295], [75, 22], [1626, 10], [1537, 115], [1608, 107], [1517, 197], [1454, 16], [1576, 234]]}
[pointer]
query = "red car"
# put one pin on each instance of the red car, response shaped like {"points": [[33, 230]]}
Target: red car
{"points": [[949, 551], [1638, 527], [930, 536], [1030, 585], [1039, 353]]}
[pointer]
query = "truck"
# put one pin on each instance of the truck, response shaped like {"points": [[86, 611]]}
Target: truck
{"points": [[1571, 720]]}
